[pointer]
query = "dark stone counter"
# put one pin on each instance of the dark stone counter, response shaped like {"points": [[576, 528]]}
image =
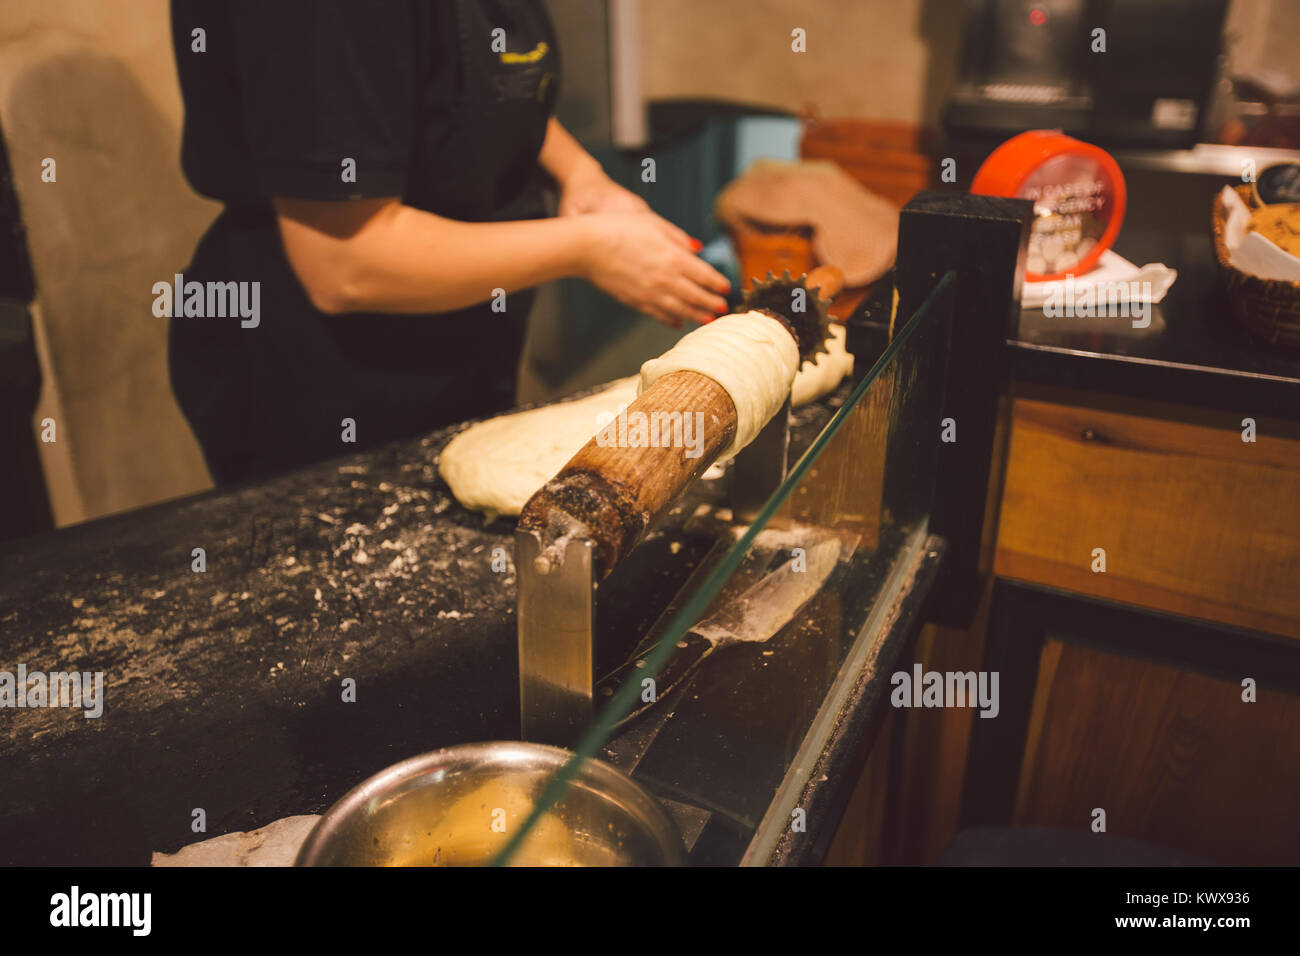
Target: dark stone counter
{"points": [[1192, 353], [224, 689]]}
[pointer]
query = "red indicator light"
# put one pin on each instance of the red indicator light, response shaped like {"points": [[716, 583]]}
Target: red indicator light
{"points": [[1037, 17]]}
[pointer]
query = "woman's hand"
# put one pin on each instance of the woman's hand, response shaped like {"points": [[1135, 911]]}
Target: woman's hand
{"points": [[647, 263]]}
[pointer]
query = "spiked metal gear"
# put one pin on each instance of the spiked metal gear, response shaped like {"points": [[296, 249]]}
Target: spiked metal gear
{"points": [[803, 314]]}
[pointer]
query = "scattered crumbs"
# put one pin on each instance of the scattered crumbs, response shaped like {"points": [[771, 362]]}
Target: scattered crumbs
{"points": [[78, 602], [356, 528], [328, 519], [318, 595], [281, 622], [290, 560], [218, 598], [352, 469], [452, 615], [392, 509], [768, 653], [155, 594], [385, 486], [442, 506], [361, 557], [387, 545], [674, 547], [244, 596]]}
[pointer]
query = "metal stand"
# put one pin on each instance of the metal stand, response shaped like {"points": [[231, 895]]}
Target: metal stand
{"points": [[557, 612]]}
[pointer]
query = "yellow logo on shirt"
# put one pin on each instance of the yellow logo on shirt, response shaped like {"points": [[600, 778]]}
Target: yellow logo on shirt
{"points": [[532, 56]]}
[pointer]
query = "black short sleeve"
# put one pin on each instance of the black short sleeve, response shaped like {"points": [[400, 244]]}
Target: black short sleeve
{"points": [[322, 83]]}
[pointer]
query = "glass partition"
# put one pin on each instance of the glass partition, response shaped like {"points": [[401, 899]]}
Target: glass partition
{"points": [[723, 709]]}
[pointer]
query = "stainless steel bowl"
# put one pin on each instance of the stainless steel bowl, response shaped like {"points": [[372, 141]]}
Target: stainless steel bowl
{"points": [[459, 805]]}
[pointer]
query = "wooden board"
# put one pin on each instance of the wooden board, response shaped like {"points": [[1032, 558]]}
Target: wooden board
{"points": [[1193, 520]]}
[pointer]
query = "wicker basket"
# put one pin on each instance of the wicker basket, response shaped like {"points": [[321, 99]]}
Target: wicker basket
{"points": [[1268, 308]]}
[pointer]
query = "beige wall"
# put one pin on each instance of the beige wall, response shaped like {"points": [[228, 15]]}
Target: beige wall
{"points": [[883, 59], [1264, 35], [92, 85]]}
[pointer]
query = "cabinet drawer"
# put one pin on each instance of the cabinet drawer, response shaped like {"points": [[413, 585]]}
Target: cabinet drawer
{"points": [[1173, 756], [1193, 520]]}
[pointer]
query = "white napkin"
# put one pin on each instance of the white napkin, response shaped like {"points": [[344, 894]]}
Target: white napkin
{"points": [[1113, 279], [1249, 251]]}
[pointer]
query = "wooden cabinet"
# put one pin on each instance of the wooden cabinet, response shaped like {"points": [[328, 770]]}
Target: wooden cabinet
{"points": [[1173, 756], [1122, 688], [1192, 519]]}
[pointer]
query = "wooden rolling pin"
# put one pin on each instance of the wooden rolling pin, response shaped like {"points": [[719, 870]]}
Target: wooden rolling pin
{"points": [[612, 494]]}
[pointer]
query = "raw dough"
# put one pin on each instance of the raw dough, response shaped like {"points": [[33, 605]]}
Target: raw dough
{"points": [[751, 356], [497, 465], [823, 376]]}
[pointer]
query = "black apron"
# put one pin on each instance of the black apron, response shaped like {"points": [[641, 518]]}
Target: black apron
{"points": [[268, 399]]}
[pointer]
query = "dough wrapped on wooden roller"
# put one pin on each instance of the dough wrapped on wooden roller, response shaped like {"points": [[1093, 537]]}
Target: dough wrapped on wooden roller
{"points": [[752, 356], [497, 465], [710, 394]]}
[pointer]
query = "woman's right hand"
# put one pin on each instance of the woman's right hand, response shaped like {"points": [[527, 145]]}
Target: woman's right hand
{"points": [[649, 264]]}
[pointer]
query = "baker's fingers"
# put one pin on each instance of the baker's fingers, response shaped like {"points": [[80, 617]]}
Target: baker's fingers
{"points": [[696, 295], [660, 315], [676, 234], [704, 274], [681, 309]]}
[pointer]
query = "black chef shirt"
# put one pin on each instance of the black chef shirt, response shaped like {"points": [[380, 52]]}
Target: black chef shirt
{"points": [[443, 103]]}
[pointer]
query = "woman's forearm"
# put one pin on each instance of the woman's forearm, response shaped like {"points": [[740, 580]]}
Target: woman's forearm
{"points": [[562, 155], [383, 256]]}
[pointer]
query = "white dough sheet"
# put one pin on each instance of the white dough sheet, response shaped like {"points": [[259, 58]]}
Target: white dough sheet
{"points": [[497, 465]]}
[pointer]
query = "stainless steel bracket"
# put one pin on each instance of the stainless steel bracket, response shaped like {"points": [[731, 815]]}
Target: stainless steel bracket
{"points": [[555, 620], [556, 612]]}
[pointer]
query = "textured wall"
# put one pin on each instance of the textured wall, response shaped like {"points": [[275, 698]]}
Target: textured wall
{"points": [[884, 59], [1264, 35], [92, 84]]}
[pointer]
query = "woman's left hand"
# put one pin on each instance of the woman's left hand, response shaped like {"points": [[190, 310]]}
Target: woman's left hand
{"points": [[590, 190]]}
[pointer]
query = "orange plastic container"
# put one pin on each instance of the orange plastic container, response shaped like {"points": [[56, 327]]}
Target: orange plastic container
{"points": [[1078, 194]]}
